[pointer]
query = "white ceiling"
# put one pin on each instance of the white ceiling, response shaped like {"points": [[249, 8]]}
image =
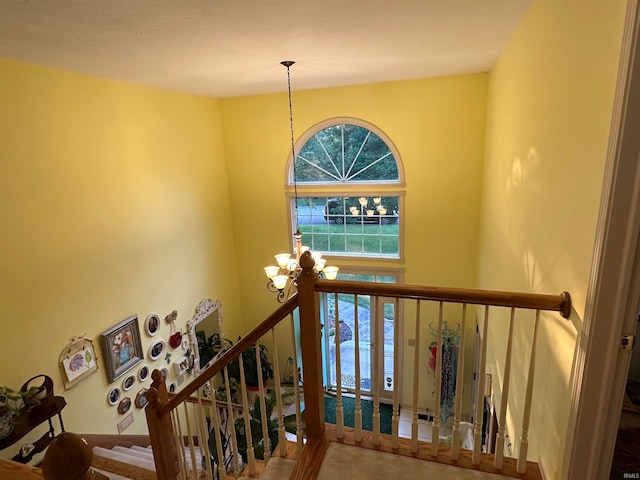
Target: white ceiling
{"points": [[227, 48]]}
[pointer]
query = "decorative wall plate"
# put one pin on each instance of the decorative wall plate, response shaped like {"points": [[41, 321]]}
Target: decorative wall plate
{"points": [[156, 349], [127, 383], [143, 373], [172, 387], [165, 373], [152, 324], [114, 395]]}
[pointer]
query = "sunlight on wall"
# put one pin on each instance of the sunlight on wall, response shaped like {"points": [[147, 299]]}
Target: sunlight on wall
{"points": [[549, 111]]}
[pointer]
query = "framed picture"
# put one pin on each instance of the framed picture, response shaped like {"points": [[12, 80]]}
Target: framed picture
{"points": [[77, 361], [156, 349], [127, 383], [141, 399], [122, 347], [124, 405], [152, 324], [143, 373], [114, 396]]}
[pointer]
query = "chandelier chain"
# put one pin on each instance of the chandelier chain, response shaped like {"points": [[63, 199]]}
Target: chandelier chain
{"points": [[293, 149]]}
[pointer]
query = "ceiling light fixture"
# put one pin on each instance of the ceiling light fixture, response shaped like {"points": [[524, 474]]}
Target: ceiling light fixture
{"points": [[283, 276]]}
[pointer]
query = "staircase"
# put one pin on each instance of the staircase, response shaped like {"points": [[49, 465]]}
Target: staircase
{"points": [[136, 463]]}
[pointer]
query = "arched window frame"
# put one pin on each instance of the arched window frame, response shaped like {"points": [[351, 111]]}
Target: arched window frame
{"points": [[395, 188]]}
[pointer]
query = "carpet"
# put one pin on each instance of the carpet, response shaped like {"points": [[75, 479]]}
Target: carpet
{"points": [[349, 407]]}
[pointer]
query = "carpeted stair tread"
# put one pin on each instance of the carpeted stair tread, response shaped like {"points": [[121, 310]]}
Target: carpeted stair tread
{"points": [[125, 457], [277, 468], [142, 450]]}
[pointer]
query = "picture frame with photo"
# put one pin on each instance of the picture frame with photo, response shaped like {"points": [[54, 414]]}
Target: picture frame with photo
{"points": [[113, 396], [127, 383], [141, 398], [157, 349], [121, 347], [143, 373], [152, 324]]}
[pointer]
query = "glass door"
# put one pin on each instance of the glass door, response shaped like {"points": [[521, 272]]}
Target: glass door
{"points": [[373, 344]]}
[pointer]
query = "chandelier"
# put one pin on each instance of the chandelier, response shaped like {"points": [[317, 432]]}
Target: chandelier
{"points": [[283, 276]]}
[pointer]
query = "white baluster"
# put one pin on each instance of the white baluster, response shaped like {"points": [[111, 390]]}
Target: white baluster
{"points": [[282, 438], [177, 431], [395, 415], [231, 423], [435, 429], [190, 445], [378, 336], [222, 471], [296, 389], [455, 453], [499, 457], [339, 406], [266, 442], [477, 429], [416, 382], [203, 434], [358, 407], [524, 438], [251, 457]]}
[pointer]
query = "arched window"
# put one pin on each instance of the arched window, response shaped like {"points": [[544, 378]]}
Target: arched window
{"points": [[348, 179]]}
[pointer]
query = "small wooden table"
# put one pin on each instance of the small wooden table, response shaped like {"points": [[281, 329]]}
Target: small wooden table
{"points": [[25, 422]]}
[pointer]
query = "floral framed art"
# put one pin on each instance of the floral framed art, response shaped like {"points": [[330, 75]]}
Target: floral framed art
{"points": [[122, 347]]}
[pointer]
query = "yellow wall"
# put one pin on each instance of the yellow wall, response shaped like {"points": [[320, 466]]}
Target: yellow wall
{"points": [[114, 203], [437, 126], [549, 111]]}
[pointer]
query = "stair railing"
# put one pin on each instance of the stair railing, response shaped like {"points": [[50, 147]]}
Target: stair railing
{"points": [[187, 418], [444, 303]]}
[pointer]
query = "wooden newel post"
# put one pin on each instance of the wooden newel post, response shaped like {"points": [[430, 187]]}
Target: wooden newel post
{"points": [[310, 340], [161, 430]]}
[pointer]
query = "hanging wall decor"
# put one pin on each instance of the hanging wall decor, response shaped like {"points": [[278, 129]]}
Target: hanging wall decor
{"points": [[122, 347], [152, 324], [77, 361]]}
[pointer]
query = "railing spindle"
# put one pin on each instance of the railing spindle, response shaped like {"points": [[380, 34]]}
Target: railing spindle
{"points": [[251, 457], [179, 439], [204, 434], [416, 382], [266, 442], [231, 422], [339, 407], [524, 438], [499, 456], [455, 453], [296, 389], [192, 452], [282, 439], [222, 470], [435, 429], [358, 407], [378, 339], [395, 415], [477, 429]]}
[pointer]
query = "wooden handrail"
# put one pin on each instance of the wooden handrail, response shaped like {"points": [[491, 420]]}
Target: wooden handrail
{"points": [[559, 303], [226, 358]]}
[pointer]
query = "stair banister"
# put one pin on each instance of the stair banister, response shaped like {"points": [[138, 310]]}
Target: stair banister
{"points": [[535, 301]]}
